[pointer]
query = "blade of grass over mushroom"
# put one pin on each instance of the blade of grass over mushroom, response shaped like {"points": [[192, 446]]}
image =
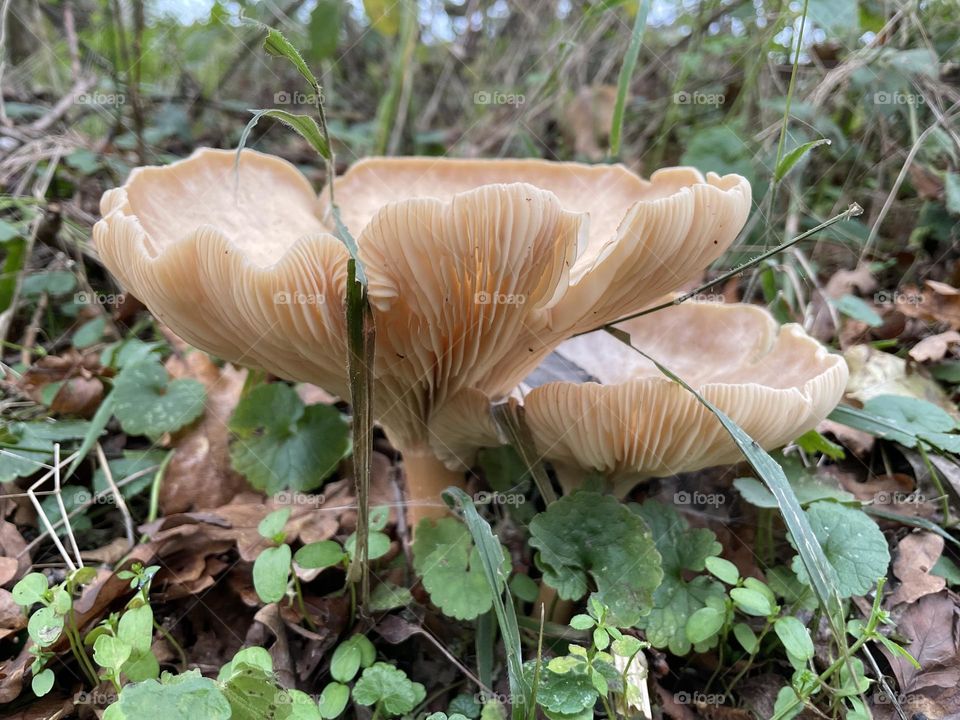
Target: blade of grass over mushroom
{"points": [[361, 343], [626, 75], [509, 419], [490, 555], [305, 126], [389, 112], [785, 165], [851, 212], [97, 426], [793, 83], [812, 556]]}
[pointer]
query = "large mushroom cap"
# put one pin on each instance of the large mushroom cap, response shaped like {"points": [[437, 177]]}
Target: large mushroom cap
{"points": [[775, 382], [477, 269]]}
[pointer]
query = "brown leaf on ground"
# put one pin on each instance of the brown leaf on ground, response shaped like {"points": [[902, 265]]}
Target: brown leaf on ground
{"points": [[932, 628], [78, 396], [13, 546], [934, 347], [857, 441], [199, 474], [937, 302], [45, 709], [843, 282], [916, 555], [8, 569], [12, 617]]}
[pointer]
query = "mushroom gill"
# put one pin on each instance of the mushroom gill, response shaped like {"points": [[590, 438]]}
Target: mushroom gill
{"points": [[477, 269]]}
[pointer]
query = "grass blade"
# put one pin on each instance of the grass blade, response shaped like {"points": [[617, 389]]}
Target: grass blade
{"points": [[626, 75], [489, 548]]}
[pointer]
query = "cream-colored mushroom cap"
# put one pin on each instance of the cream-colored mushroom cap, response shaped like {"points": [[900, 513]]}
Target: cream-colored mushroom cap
{"points": [[775, 382], [477, 269]]}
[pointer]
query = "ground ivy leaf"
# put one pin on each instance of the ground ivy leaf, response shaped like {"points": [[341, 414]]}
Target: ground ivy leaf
{"points": [[174, 697], [591, 535], [280, 443], [383, 683], [567, 693], [148, 403], [445, 556], [676, 599], [852, 542]]}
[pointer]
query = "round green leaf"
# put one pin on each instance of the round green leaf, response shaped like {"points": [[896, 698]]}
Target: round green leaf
{"points": [[42, 682], [746, 637], [325, 553], [147, 402], [722, 569], [272, 525], [111, 652], [30, 589], [752, 602], [271, 573], [45, 626], [333, 700], [704, 624]]}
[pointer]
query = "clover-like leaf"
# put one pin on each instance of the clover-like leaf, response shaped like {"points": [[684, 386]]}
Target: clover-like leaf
{"points": [[350, 655], [281, 443], [147, 402], [445, 556], [384, 685], [591, 535], [677, 598], [853, 544]]}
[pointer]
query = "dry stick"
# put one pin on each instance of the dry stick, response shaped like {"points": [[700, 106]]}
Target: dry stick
{"points": [[853, 210], [46, 520], [117, 496], [58, 494]]}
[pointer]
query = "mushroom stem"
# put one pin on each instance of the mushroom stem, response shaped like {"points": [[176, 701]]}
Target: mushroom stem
{"points": [[426, 477]]}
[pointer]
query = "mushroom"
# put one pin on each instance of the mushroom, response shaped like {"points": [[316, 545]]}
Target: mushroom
{"points": [[775, 382], [477, 269]]}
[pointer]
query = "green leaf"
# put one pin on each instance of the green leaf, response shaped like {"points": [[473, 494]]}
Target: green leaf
{"points": [[795, 637], [722, 569], [350, 656], [588, 535], [567, 693], [752, 602], [136, 628], [853, 544], [384, 16], [383, 684], [746, 637], [45, 626], [271, 573], [111, 652], [944, 567], [858, 309], [271, 527], [582, 622], [187, 696], [304, 125], [277, 45], [42, 682], [54, 283], [445, 556], [813, 442], [30, 589], [256, 656], [281, 444], [808, 490], [304, 707], [323, 554], [387, 596], [682, 550], [791, 158], [148, 403], [323, 30], [704, 624], [378, 545], [524, 587], [837, 17], [29, 445], [951, 187], [905, 420], [89, 333], [253, 693], [333, 700]]}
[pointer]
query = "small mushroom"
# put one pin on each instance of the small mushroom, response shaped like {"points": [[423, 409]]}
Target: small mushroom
{"points": [[775, 382], [477, 269]]}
